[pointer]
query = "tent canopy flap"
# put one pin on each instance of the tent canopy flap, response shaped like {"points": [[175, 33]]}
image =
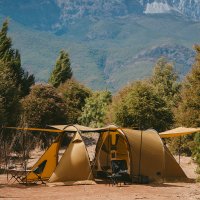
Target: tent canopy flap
{"points": [[180, 131]]}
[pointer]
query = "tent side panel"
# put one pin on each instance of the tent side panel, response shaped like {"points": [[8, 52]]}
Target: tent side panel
{"points": [[150, 162], [172, 168], [74, 164]]}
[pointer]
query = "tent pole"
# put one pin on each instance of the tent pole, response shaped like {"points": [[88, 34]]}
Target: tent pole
{"points": [[5, 151], [179, 151], [24, 152], [6, 160], [140, 158], [108, 155]]}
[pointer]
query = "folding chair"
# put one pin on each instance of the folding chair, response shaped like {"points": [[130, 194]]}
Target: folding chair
{"points": [[17, 175], [119, 172], [38, 171]]}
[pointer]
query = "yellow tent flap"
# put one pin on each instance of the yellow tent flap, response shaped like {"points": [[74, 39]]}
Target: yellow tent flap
{"points": [[51, 159], [180, 131]]}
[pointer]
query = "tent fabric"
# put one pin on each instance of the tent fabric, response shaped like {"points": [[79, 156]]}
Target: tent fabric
{"points": [[51, 157], [172, 169], [180, 131], [74, 164], [144, 152], [146, 156], [155, 160]]}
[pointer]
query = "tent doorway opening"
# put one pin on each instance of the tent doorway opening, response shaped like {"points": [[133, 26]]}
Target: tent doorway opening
{"points": [[112, 151]]}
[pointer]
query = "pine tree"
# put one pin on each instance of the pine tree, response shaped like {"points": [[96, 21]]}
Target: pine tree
{"points": [[62, 70], [11, 58], [9, 95], [5, 43]]}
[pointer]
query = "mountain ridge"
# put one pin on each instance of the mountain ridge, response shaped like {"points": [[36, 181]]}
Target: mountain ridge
{"points": [[107, 51]]}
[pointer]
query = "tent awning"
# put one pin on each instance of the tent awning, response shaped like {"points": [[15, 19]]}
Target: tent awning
{"points": [[36, 129], [180, 131], [77, 127], [67, 128]]}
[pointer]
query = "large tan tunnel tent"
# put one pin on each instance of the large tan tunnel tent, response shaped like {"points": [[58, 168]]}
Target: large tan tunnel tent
{"points": [[143, 151]]}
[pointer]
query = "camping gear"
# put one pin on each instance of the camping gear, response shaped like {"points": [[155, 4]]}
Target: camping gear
{"points": [[143, 151], [142, 156]]}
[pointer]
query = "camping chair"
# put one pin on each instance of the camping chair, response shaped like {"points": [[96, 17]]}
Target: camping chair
{"points": [[17, 175], [119, 172], [38, 171]]}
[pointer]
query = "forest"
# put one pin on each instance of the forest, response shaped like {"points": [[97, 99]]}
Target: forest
{"points": [[162, 101]]}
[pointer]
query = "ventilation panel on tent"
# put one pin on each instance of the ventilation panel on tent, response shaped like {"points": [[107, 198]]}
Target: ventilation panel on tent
{"points": [[74, 164]]}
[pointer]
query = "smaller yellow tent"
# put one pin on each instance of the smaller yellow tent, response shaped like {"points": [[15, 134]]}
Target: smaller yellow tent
{"points": [[74, 165]]}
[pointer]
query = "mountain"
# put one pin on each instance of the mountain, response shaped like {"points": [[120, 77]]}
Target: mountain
{"points": [[110, 42], [189, 9], [57, 14]]}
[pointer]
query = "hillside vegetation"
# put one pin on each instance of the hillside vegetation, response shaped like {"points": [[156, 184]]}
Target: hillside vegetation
{"points": [[109, 52]]}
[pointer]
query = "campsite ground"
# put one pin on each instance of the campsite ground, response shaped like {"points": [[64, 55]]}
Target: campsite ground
{"points": [[167, 191]]}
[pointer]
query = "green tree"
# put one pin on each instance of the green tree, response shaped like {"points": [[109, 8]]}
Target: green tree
{"points": [[11, 58], [164, 79], [141, 107], [62, 70], [94, 111], [9, 95], [188, 112], [74, 95], [2, 111], [43, 106]]}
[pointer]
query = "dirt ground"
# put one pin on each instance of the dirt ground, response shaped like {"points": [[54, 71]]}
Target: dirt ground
{"points": [[183, 191]]}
